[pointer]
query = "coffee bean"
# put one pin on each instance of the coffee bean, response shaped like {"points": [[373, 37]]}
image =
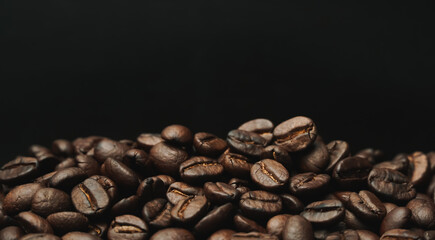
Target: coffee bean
{"points": [[253, 236], [295, 134], [177, 134], [213, 220], [399, 163], [291, 204], [391, 184], [79, 236], [107, 148], [428, 235], [248, 143], [269, 174], [354, 222], [108, 185], [389, 206], [220, 193], [148, 140], [64, 222], [244, 224], [397, 218], [190, 210], [128, 205], [11, 233], [167, 158], [39, 236], [32, 223], [258, 204], [275, 225], [128, 227], [167, 180], [138, 160], [67, 178], [223, 234], [372, 155], [88, 164], [90, 198], [50, 200], [98, 228], [261, 126], [208, 144], [84, 145], [179, 191], [240, 185], [62, 148], [157, 213], [314, 158], [352, 172], [19, 170], [19, 199], [367, 235], [173, 234], [150, 188], [235, 164], [125, 178], [308, 184], [67, 163], [344, 197], [45, 179], [200, 169], [278, 154], [367, 206], [324, 213], [346, 234], [423, 212], [400, 234], [337, 150], [297, 228], [419, 168]]}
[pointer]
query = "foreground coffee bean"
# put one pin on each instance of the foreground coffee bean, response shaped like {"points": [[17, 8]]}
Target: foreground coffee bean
{"points": [[275, 225], [167, 158], [11, 233], [324, 213], [258, 204], [397, 218], [366, 206], [220, 192], [391, 185], [128, 227], [33, 223], [269, 174], [306, 184], [422, 212], [173, 234], [297, 227], [190, 210], [90, 198], [64, 222], [19, 199], [200, 169], [157, 213], [50, 200]]}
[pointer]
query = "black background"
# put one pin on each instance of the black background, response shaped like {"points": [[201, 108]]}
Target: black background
{"points": [[364, 73]]}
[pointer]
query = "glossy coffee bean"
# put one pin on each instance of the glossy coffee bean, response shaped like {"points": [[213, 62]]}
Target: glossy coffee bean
{"points": [[352, 172], [253, 236], [244, 224], [208, 144], [173, 234], [236, 164], [167, 180], [137, 159], [128, 227], [367, 206], [259, 204], [247, 143], [240, 185], [11, 233], [190, 210], [295, 134], [98, 228], [337, 150], [419, 168], [124, 177], [389, 206], [348, 234], [223, 234], [167, 158], [88, 164], [79, 236], [157, 213], [278, 154], [291, 204], [269, 174], [398, 218], [128, 205], [179, 191], [371, 154], [275, 225], [423, 212], [149, 188], [220, 193], [19, 199], [19, 170], [391, 185], [67, 178], [39, 236], [343, 196], [50, 200], [62, 148], [148, 140], [399, 163], [177, 134], [296, 228], [90, 197], [64, 222], [67, 163], [314, 158], [108, 184], [367, 235], [200, 169], [107, 148], [261, 126], [308, 184], [353, 222], [400, 234], [214, 220], [324, 213], [32, 223]]}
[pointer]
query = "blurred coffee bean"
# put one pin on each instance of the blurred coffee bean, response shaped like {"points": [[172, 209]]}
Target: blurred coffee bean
{"points": [[177, 134], [314, 158], [148, 140], [67, 178], [399, 163], [247, 143], [32, 223], [391, 185], [423, 212], [352, 172], [208, 144], [337, 150], [167, 158], [107, 148], [372, 155], [19, 170], [39, 236], [67, 163], [400, 234], [19, 199], [79, 236], [62, 148], [419, 168], [88, 164], [11, 233], [275, 225], [223, 234], [253, 236], [261, 126]]}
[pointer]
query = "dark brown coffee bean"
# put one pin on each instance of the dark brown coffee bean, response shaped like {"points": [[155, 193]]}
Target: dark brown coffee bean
{"points": [[157, 213], [179, 191], [397, 218], [88, 164], [19, 170], [372, 155], [107, 148], [275, 225], [352, 172], [125, 178], [39, 236], [261, 126], [354, 222], [389, 206], [84, 145], [296, 228], [253, 236], [50, 200], [32, 223], [240, 185], [314, 158], [247, 143], [223, 234], [67, 163], [149, 188], [67, 178], [399, 163], [338, 150], [138, 160], [62, 148], [11, 233], [419, 168], [324, 213], [278, 154], [423, 212], [259, 204], [291, 204], [220, 193], [98, 228], [108, 184], [367, 235], [367, 206], [308, 184], [400, 234], [200, 169], [45, 179], [167, 180], [214, 220], [244, 224], [79, 236], [235, 164], [90, 198], [431, 158], [173, 234], [429, 235], [167, 158], [148, 140], [269, 174], [208, 144], [391, 184], [64, 222], [177, 134], [19, 199], [190, 210], [128, 205], [295, 134], [346, 234], [343, 197], [128, 227]]}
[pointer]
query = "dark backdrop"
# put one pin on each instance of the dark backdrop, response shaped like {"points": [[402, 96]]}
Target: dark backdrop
{"points": [[69, 68]]}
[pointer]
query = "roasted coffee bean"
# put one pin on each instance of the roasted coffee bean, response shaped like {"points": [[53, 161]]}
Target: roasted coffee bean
{"points": [[11, 233], [19, 170], [129, 143], [36, 150], [297, 228], [308, 184], [149, 188], [138, 160], [208, 144], [275, 225], [19, 199], [291, 204], [167, 158], [259, 204], [84, 145], [261, 126], [157, 213], [67, 163], [314, 158], [220, 193], [397, 218], [88, 164], [352, 172], [248, 143], [429, 235], [269, 174], [295, 134], [179, 191], [32, 223], [399, 163], [67, 178], [324, 213], [190, 210], [90, 198], [98, 228], [213, 220], [125, 178], [128, 227], [50, 200], [235, 164], [148, 140], [278, 154], [240, 185], [79, 236], [62, 148], [372, 155], [173, 234], [167, 180], [337, 150], [419, 168], [391, 184], [346, 234], [200, 169], [107, 148], [354, 222], [128, 205], [64, 222], [400, 234], [223, 234], [253, 236], [39, 236], [344, 197], [423, 212], [108, 184], [45, 179], [244, 224], [367, 206], [177, 134], [367, 235], [389, 206]]}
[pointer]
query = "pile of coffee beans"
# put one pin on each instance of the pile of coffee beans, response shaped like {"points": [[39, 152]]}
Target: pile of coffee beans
{"points": [[261, 182]]}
